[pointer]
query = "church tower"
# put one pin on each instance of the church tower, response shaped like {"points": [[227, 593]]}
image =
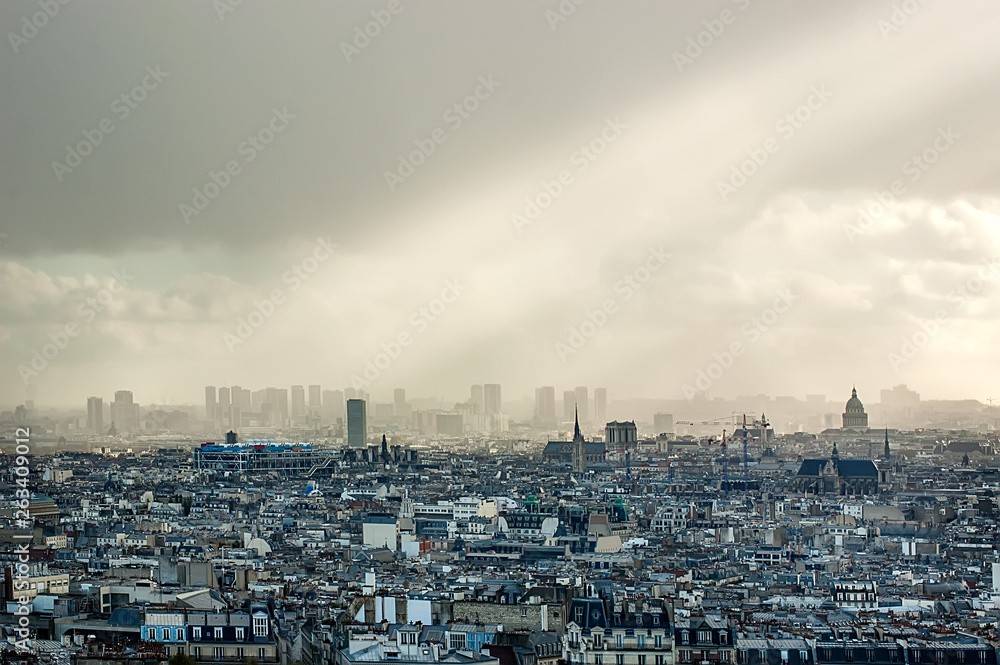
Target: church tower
{"points": [[579, 447]]}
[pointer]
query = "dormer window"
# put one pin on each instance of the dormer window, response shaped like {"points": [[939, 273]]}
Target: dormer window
{"points": [[685, 637], [259, 626]]}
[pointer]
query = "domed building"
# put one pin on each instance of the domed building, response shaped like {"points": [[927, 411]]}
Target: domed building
{"points": [[854, 413]]}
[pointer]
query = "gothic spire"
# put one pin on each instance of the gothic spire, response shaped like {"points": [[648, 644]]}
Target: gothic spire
{"points": [[576, 425]]}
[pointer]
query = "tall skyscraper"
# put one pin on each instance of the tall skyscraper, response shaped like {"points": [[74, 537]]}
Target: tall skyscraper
{"points": [[257, 400], [315, 400], [545, 406], [125, 412], [240, 397], [491, 399], [569, 406], [298, 402], [400, 408], [277, 405], [583, 403], [357, 423], [333, 405], [95, 415], [210, 403], [225, 402], [663, 423], [600, 405], [476, 397]]}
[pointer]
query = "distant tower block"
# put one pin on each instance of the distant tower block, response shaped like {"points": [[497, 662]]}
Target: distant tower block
{"points": [[663, 423]]}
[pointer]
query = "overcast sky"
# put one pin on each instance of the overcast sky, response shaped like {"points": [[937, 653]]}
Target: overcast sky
{"points": [[312, 118]]}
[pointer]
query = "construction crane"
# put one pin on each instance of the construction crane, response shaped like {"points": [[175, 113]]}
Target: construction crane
{"points": [[725, 463], [715, 421], [761, 424]]}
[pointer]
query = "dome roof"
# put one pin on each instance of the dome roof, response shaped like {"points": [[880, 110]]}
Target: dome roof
{"points": [[854, 403]]}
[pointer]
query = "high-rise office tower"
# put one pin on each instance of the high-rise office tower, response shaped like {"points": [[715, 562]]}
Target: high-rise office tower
{"points": [[298, 402], [476, 397], [600, 405], [225, 402], [209, 402], [315, 401], [583, 403], [491, 399], [95, 415], [663, 423], [277, 403], [357, 423], [545, 406], [241, 398], [333, 405], [399, 400], [569, 406], [235, 417], [125, 412]]}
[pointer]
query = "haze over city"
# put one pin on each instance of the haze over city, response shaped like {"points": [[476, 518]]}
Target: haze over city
{"points": [[548, 332]]}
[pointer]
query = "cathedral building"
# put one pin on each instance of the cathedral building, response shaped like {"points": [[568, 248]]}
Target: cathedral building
{"points": [[842, 477], [579, 453]]}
